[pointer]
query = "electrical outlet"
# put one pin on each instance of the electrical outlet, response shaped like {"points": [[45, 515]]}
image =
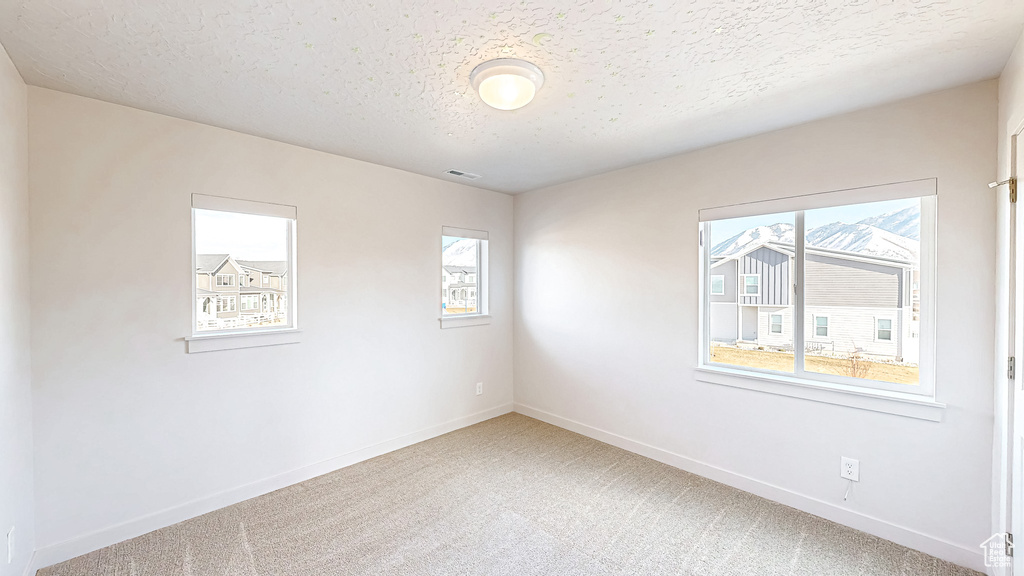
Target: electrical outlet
{"points": [[10, 545], [849, 469], [479, 388]]}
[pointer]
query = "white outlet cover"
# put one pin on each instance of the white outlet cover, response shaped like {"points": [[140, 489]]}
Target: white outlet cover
{"points": [[479, 388], [849, 468]]}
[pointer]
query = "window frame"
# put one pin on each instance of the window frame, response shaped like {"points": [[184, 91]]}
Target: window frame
{"points": [[743, 285], [249, 336], [229, 277], [482, 315], [890, 330], [908, 400], [814, 325], [711, 290], [771, 323]]}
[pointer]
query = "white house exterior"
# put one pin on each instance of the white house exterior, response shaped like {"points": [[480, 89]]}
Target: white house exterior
{"points": [[853, 302], [458, 288], [236, 293]]}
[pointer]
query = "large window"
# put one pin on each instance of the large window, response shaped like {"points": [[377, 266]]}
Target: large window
{"points": [[234, 240], [463, 273], [838, 289]]}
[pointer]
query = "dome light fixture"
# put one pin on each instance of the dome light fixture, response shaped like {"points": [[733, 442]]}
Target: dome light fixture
{"points": [[507, 83]]}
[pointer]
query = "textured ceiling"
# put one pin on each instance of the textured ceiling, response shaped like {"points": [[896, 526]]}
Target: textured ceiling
{"points": [[388, 81]]}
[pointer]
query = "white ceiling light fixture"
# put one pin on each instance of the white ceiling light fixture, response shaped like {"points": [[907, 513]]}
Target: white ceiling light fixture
{"points": [[507, 83]]}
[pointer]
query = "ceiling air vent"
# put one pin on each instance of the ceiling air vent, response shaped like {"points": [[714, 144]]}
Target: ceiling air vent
{"points": [[461, 174]]}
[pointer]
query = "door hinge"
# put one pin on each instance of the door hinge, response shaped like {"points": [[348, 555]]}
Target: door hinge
{"points": [[1009, 544], [1010, 365], [1012, 182]]}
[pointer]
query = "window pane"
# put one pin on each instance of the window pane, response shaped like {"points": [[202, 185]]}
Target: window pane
{"points": [[459, 260], [751, 321], [229, 246], [862, 262], [718, 285]]}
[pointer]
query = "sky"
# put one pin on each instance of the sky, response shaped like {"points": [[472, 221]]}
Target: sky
{"points": [[722, 230], [244, 236]]}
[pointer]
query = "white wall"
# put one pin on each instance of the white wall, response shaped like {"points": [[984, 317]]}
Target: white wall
{"points": [[1011, 117], [15, 380], [133, 433], [606, 333]]}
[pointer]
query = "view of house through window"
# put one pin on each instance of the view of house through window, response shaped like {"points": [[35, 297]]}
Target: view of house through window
{"points": [[861, 294], [242, 264], [460, 266]]}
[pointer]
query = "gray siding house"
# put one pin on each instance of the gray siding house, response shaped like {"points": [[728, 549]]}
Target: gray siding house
{"points": [[853, 302]]}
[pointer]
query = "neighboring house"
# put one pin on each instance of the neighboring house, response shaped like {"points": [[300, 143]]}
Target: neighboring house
{"points": [[232, 293], [458, 287], [853, 302]]}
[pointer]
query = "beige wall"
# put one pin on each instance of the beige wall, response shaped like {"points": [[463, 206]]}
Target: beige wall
{"points": [[590, 355], [130, 425], [15, 382]]}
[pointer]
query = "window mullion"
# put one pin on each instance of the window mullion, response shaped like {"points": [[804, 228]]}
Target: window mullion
{"points": [[798, 296]]}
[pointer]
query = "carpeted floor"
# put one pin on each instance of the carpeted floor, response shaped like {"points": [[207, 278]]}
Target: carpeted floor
{"points": [[510, 496]]}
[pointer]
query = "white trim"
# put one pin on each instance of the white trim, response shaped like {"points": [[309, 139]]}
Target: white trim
{"points": [[217, 278], [814, 325], [969, 555], [743, 285], [32, 566], [239, 340], [771, 323], [864, 195], [464, 233], [463, 320], [711, 290], [851, 395], [73, 547], [222, 204], [892, 324]]}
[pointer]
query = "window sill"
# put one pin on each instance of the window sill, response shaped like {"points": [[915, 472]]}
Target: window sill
{"points": [[465, 320], [898, 403], [215, 342]]}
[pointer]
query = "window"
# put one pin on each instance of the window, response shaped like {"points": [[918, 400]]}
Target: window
{"points": [[464, 265], [883, 329], [751, 285], [868, 263], [821, 326], [717, 285], [229, 238], [266, 279]]}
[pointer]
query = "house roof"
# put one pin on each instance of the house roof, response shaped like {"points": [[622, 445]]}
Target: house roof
{"points": [[259, 290], [210, 263], [789, 250], [276, 267], [460, 269]]}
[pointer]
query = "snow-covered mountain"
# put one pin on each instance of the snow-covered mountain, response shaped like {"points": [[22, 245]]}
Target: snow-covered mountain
{"points": [[863, 239], [462, 252], [892, 235], [905, 223], [782, 233]]}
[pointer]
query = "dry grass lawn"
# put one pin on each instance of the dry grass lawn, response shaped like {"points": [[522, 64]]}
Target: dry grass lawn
{"points": [[783, 361]]}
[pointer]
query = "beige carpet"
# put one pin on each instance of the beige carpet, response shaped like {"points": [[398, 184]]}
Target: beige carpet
{"points": [[508, 496]]}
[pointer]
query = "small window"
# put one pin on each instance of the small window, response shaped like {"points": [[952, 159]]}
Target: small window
{"points": [[463, 273], [821, 326], [776, 323], [884, 329], [751, 285], [717, 285], [230, 238]]}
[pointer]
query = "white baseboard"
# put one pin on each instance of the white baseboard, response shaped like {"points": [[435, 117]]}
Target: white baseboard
{"points": [[67, 549], [30, 568], [964, 556]]}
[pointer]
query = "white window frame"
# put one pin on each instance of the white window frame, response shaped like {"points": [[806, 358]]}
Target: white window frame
{"points": [[771, 323], [743, 285], [711, 289], [226, 300], [229, 280], [814, 325], [892, 328], [482, 315], [254, 336], [905, 400]]}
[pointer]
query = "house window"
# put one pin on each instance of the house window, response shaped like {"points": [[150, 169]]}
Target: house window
{"points": [[883, 329], [870, 263], [751, 285], [230, 237], [464, 261], [717, 285], [821, 326]]}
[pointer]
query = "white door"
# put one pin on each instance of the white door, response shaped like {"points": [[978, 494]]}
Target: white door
{"points": [[1015, 401]]}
